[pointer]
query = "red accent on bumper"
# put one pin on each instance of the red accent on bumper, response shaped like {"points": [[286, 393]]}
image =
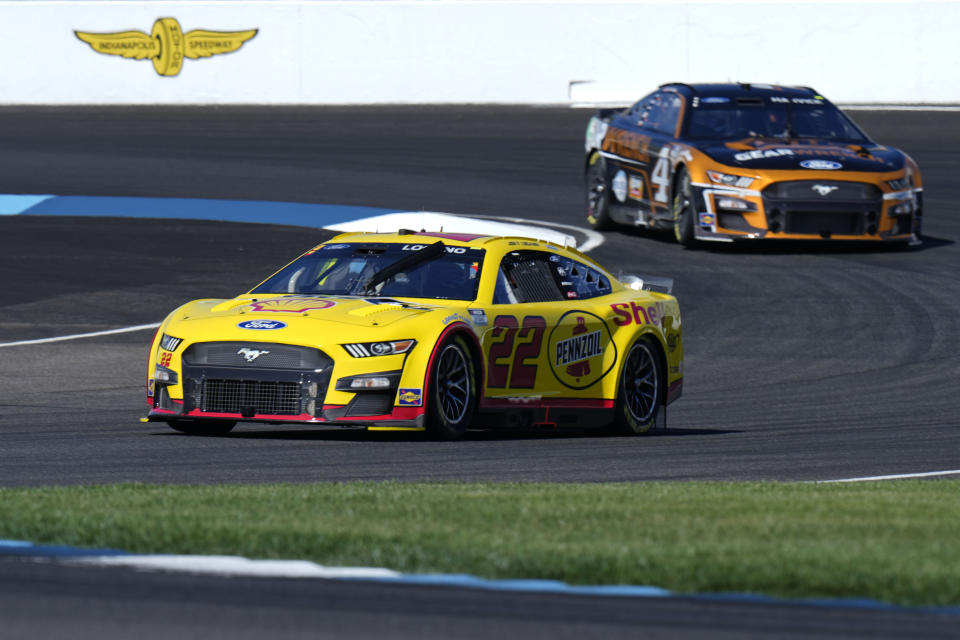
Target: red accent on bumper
{"points": [[540, 403]]}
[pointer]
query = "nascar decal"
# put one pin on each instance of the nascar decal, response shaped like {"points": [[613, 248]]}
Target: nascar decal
{"points": [[580, 350], [166, 46], [410, 397], [297, 304]]}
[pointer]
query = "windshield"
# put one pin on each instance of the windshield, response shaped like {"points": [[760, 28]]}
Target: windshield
{"points": [[722, 118], [349, 269]]}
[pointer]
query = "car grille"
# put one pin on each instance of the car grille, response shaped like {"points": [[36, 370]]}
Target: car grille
{"points": [[255, 378], [824, 208], [254, 354], [250, 397]]}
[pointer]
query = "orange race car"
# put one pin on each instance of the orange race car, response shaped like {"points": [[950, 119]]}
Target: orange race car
{"points": [[731, 161]]}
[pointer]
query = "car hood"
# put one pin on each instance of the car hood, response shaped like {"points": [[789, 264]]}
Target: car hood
{"points": [[269, 317], [803, 154]]}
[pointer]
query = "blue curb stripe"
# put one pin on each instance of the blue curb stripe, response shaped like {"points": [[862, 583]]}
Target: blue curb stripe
{"points": [[289, 213], [28, 549]]}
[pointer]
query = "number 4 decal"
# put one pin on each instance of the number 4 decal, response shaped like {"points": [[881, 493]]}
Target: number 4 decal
{"points": [[661, 175], [521, 374]]}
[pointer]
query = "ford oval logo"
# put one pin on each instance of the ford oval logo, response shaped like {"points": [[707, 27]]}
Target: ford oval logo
{"points": [[262, 324], [822, 165]]}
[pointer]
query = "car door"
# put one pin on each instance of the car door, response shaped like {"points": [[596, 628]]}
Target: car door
{"points": [[641, 142], [540, 343]]}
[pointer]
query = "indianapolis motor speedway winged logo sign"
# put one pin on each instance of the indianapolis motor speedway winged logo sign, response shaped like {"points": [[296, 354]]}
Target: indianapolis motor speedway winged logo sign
{"points": [[166, 45]]}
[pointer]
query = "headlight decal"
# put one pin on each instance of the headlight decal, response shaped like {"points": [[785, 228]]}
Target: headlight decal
{"points": [[170, 343], [385, 348]]}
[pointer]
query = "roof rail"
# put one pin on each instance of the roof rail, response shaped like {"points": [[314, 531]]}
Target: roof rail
{"points": [[682, 84]]}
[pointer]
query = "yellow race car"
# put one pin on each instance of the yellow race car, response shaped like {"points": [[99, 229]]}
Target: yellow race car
{"points": [[424, 331]]}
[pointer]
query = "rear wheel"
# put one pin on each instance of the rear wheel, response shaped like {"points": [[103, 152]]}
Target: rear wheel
{"points": [[598, 195], [203, 427], [683, 212], [639, 390], [452, 391]]}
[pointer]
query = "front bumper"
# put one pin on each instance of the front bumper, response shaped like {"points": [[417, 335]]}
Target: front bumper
{"points": [[288, 384], [808, 210]]}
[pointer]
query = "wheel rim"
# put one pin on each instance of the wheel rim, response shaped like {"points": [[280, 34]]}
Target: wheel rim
{"points": [[453, 384], [641, 385]]}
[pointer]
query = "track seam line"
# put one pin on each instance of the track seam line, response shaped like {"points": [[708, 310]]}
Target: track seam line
{"points": [[896, 476], [77, 336]]}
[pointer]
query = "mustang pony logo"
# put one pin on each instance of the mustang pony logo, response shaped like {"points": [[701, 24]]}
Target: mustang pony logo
{"points": [[166, 45], [291, 305], [251, 354], [824, 189]]}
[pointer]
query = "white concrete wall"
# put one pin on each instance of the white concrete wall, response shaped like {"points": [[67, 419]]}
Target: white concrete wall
{"points": [[448, 51]]}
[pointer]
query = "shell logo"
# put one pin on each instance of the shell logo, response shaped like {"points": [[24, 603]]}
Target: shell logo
{"points": [[581, 350], [291, 305]]}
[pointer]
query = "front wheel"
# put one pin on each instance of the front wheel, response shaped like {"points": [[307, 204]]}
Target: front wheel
{"points": [[453, 394], [683, 211], [639, 390], [203, 427]]}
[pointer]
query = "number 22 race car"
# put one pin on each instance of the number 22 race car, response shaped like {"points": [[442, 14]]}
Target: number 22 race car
{"points": [[738, 161], [423, 331]]}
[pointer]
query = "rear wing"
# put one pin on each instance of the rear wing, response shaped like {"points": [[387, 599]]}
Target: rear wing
{"points": [[659, 284]]}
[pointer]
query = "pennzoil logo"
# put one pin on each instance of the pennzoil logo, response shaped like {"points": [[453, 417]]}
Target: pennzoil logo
{"points": [[166, 45], [581, 350]]}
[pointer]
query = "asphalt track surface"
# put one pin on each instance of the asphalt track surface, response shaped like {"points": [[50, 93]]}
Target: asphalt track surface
{"points": [[803, 362]]}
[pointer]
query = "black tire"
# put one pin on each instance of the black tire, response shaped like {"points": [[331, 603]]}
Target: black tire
{"points": [[453, 391], [203, 427], [640, 389], [683, 213], [598, 194]]}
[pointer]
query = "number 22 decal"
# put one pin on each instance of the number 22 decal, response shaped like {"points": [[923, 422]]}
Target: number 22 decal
{"points": [[529, 340]]}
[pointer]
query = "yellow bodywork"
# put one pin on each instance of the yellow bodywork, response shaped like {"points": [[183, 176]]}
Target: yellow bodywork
{"points": [[551, 354]]}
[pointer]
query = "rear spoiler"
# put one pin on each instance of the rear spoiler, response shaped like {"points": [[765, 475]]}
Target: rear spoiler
{"points": [[647, 283]]}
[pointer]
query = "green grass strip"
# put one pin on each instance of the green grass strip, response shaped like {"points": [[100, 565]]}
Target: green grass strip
{"points": [[895, 541]]}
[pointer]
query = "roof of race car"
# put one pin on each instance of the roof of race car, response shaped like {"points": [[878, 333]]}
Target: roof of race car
{"points": [[457, 239], [740, 89], [465, 239]]}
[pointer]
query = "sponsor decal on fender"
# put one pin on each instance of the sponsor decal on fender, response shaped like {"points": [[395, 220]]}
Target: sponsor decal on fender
{"points": [[410, 397], [291, 305], [633, 313], [635, 186], [166, 45], [580, 350]]}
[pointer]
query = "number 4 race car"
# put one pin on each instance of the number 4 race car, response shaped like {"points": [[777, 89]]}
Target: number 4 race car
{"points": [[731, 161], [423, 331]]}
